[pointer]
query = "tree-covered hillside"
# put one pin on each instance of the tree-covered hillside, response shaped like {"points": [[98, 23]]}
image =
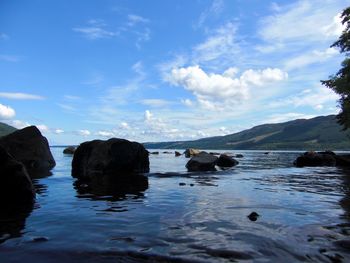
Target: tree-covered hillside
{"points": [[318, 133], [5, 129]]}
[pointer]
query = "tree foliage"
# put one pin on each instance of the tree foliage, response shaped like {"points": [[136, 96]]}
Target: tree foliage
{"points": [[340, 82]]}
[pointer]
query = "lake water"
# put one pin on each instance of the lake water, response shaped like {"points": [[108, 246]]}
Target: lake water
{"points": [[190, 217]]}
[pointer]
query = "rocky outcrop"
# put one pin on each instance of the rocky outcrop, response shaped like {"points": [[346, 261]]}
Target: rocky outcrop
{"points": [[202, 162], [69, 150], [191, 152], [226, 161], [112, 164], [315, 159], [29, 147], [16, 187]]}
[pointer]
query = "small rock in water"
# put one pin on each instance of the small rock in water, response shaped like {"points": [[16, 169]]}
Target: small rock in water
{"points": [[191, 185], [253, 216], [177, 154], [182, 184]]}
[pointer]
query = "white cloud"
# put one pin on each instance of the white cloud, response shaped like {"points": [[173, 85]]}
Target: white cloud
{"points": [[9, 58], [20, 96], [304, 20], [18, 124], [306, 59], [84, 133], [6, 112], [136, 19], [187, 102], [43, 128], [71, 97], [105, 134], [221, 44], [148, 115], [124, 125], [95, 32], [214, 9], [58, 131], [213, 90]]}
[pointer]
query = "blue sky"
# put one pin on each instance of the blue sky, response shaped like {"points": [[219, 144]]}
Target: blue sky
{"points": [[164, 70]]}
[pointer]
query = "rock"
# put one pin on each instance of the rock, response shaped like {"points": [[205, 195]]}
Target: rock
{"points": [[166, 152], [239, 155], [266, 152], [177, 154], [16, 187], [154, 153], [202, 162], [342, 160], [253, 216], [111, 166], [315, 159], [214, 153], [69, 150], [191, 152], [29, 147], [182, 184], [226, 161]]}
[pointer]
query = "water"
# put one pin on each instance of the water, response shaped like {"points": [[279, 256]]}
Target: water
{"points": [[304, 216]]}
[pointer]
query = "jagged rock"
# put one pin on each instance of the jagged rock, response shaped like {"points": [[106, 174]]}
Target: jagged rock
{"points": [[226, 161], [69, 150], [315, 159], [114, 165], [191, 152], [29, 147], [177, 154], [202, 162], [16, 188]]}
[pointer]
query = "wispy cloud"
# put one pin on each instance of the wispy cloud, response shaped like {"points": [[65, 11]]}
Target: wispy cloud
{"points": [[20, 96], [156, 103], [4, 36], [215, 9], [136, 19]]}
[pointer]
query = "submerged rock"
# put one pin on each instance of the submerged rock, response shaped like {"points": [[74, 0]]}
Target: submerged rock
{"points": [[29, 147], [314, 159], [226, 161], [155, 153], [112, 165], [253, 216], [202, 162], [177, 154], [69, 150], [16, 188], [239, 155], [191, 152]]}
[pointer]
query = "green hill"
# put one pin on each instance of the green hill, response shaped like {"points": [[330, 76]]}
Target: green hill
{"points": [[6, 129], [318, 133]]}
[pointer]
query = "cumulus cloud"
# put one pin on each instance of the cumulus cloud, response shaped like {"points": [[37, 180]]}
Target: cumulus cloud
{"points": [[84, 132], [20, 96], [211, 88], [6, 112], [283, 117]]}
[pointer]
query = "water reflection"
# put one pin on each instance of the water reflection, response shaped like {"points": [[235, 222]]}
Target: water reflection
{"points": [[112, 187], [13, 219]]}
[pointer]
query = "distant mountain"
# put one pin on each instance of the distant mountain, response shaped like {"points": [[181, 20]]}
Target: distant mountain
{"points": [[6, 129], [318, 133]]}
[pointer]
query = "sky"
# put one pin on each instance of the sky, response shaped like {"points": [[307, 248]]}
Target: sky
{"points": [[160, 70]]}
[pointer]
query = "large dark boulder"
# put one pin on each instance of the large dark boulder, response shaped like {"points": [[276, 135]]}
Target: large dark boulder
{"points": [[29, 147], [69, 150], [342, 160], [202, 162], [226, 161], [16, 187], [314, 159], [115, 164]]}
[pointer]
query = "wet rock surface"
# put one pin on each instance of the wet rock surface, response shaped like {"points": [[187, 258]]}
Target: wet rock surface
{"points": [[16, 187], [226, 161], [112, 166], [327, 158], [69, 150], [202, 162], [191, 152], [29, 147]]}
